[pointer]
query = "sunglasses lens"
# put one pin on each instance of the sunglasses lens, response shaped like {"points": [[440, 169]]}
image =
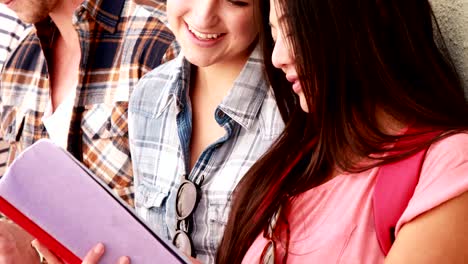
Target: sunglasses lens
{"points": [[182, 242], [186, 199]]}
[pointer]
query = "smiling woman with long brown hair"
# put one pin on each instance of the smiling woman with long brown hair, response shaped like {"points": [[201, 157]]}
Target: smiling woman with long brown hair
{"points": [[368, 77]]}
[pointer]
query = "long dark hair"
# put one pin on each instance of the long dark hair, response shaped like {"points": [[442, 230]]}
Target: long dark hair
{"points": [[354, 58]]}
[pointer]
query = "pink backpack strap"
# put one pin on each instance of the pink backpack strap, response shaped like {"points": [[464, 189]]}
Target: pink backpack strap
{"points": [[393, 190]]}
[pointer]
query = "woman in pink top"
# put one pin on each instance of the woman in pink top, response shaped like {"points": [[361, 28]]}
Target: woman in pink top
{"points": [[363, 71]]}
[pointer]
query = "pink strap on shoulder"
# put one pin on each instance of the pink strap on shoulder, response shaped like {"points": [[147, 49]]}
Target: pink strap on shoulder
{"points": [[393, 190]]}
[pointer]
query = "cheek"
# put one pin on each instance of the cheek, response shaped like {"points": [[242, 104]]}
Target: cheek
{"points": [[174, 8], [174, 18], [251, 36], [245, 29]]}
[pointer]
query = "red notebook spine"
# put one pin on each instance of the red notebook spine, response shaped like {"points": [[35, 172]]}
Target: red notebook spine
{"points": [[47, 240]]}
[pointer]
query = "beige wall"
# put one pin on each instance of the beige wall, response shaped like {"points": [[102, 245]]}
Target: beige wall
{"points": [[452, 16]]}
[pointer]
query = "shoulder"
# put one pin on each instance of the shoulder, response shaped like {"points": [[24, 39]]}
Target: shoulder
{"points": [[457, 142], [141, 18], [446, 161], [444, 176], [444, 173], [446, 153], [18, 37], [153, 90], [147, 35], [437, 208], [152, 9], [24, 61], [162, 75]]}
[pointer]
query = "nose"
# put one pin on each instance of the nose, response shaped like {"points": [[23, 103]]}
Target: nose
{"points": [[206, 14], [282, 56]]}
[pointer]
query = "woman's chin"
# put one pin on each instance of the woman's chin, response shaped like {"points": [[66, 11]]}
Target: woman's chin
{"points": [[303, 103]]}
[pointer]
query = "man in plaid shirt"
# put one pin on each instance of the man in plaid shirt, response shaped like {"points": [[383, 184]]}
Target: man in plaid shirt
{"points": [[70, 80], [12, 31]]}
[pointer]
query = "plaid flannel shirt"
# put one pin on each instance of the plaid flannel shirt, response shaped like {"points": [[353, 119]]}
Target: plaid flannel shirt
{"points": [[160, 127], [120, 42], [12, 31]]}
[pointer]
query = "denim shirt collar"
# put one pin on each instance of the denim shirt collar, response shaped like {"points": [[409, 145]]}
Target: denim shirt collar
{"points": [[244, 100]]}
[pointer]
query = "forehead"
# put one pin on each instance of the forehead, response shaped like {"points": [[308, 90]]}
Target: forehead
{"points": [[276, 15]]}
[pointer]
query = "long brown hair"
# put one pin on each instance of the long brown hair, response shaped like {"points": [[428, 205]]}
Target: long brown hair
{"points": [[353, 58]]}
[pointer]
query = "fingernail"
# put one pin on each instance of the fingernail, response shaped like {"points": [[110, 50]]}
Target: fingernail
{"points": [[34, 243], [124, 260], [99, 248]]}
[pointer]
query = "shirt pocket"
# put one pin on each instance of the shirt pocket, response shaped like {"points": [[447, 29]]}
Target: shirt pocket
{"points": [[101, 121], [105, 145], [150, 203], [218, 214]]}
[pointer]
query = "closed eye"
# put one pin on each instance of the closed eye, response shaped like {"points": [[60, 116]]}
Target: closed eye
{"points": [[239, 3]]}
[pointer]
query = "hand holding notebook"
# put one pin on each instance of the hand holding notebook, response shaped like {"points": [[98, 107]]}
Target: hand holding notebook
{"points": [[56, 199]]}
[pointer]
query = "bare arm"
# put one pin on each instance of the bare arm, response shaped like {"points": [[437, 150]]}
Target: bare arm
{"points": [[437, 236]]}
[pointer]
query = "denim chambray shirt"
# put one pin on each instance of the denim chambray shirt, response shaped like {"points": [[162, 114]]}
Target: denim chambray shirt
{"points": [[160, 127]]}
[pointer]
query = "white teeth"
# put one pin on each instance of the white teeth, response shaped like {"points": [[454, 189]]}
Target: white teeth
{"points": [[202, 35]]}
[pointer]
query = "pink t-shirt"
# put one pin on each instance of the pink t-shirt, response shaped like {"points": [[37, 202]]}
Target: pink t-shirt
{"points": [[333, 223]]}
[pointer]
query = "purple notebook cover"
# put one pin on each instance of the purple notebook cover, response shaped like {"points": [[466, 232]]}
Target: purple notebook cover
{"points": [[57, 193]]}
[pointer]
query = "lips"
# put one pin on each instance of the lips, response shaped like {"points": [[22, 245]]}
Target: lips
{"points": [[297, 88], [204, 36], [292, 78]]}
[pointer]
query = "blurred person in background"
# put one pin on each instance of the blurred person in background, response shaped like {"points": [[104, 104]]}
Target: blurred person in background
{"points": [[12, 31]]}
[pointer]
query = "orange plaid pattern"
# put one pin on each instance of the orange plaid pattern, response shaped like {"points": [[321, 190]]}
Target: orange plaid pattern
{"points": [[120, 42]]}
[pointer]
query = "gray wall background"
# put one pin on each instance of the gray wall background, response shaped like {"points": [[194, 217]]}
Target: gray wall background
{"points": [[452, 16]]}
